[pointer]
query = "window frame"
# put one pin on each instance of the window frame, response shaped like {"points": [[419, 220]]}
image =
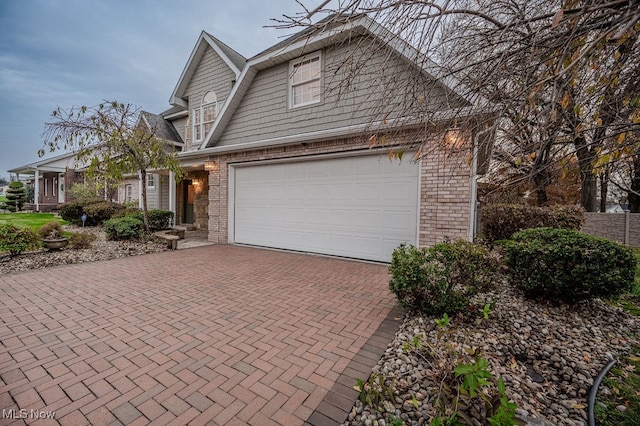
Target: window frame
{"points": [[151, 181], [128, 192], [54, 184], [46, 184], [291, 85], [199, 125]]}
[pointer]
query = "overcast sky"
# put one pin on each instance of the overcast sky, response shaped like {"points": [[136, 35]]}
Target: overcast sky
{"points": [[80, 52]]}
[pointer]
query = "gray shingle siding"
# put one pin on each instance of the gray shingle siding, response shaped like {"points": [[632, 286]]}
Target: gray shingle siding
{"points": [[379, 91], [211, 74]]}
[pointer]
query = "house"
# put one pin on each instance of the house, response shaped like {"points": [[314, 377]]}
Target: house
{"points": [[278, 150], [50, 179], [277, 157]]}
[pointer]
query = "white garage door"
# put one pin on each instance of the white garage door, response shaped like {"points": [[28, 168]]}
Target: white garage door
{"points": [[361, 207]]}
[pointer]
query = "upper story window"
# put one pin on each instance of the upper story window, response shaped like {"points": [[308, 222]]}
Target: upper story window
{"points": [[305, 75], [151, 181], [204, 116]]}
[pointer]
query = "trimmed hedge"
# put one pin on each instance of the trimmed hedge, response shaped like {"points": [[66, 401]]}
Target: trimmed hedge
{"points": [[569, 266], [501, 221], [440, 279], [123, 228]]}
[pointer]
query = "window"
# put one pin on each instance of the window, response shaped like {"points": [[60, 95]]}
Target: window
{"points": [[128, 192], [204, 116], [305, 80], [151, 181], [46, 185], [54, 185]]}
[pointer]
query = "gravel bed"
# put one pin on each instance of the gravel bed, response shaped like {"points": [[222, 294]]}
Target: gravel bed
{"points": [[100, 249], [547, 355]]}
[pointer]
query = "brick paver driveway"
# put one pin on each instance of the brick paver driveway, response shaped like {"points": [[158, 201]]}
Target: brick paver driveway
{"points": [[210, 335]]}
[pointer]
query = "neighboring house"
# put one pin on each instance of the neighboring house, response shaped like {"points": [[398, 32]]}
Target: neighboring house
{"points": [[618, 208], [274, 158], [50, 179]]}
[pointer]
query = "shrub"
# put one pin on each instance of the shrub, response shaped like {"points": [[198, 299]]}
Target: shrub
{"points": [[97, 212], [440, 279], [158, 219], [84, 193], [123, 228], [15, 240], [71, 212], [81, 240], [16, 196], [51, 229], [567, 265], [501, 221]]}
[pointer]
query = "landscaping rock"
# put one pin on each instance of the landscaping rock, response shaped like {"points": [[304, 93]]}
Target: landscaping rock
{"points": [[100, 249], [547, 355]]}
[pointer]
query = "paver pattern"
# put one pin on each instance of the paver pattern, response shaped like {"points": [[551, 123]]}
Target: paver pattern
{"points": [[216, 335]]}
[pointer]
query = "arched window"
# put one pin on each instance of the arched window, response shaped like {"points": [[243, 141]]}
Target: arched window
{"points": [[205, 115]]}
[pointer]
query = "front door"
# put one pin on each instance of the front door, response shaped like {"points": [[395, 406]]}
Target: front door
{"points": [[189, 197], [61, 188]]}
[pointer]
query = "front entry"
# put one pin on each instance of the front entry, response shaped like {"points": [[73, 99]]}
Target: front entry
{"points": [[189, 199]]}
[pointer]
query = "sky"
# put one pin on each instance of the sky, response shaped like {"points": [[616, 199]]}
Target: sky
{"points": [[81, 52]]}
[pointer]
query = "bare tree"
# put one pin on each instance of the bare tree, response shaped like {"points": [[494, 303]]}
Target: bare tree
{"points": [[563, 75], [113, 140]]}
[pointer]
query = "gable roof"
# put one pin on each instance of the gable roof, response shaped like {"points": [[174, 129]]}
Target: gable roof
{"points": [[234, 60], [161, 128], [326, 32]]}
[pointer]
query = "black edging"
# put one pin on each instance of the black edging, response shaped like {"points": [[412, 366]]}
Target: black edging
{"points": [[337, 403], [591, 400]]}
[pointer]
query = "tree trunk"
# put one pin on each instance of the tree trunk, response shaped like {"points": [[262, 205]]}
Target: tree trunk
{"points": [[588, 180], [604, 190], [145, 214], [634, 194]]}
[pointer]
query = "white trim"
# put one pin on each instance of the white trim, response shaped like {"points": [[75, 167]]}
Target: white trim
{"points": [[175, 99], [231, 203], [178, 114]]}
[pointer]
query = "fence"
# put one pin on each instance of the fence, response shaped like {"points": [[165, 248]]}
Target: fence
{"points": [[622, 227]]}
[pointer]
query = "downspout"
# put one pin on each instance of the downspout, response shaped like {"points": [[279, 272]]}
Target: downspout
{"points": [[474, 191]]}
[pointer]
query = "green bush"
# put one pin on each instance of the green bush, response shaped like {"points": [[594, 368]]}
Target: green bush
{"points": [[569, 266], [15, 240], [97, 212], [16, 196], [123, 228], [158, 219], [440, 279], [501, 221], [71, 212], [81, 240]]}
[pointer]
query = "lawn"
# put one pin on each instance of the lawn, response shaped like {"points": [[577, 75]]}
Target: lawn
{"points": [[31, 220]]}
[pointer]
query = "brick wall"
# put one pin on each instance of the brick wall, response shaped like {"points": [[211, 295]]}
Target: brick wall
{"points": [[444, 185], [621, 227]]}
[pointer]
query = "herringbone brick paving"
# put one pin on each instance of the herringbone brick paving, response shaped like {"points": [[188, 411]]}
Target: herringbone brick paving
{"points": [[210, 335]]}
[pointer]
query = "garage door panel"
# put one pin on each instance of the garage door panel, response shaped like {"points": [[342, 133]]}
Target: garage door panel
{"points": [[360, 207]]}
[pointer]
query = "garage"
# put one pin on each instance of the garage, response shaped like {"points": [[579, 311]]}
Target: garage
{"points": [[356, 206]]}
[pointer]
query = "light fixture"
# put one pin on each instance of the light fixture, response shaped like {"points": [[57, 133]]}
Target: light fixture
{"points": [[453, 138], [210, 165]]}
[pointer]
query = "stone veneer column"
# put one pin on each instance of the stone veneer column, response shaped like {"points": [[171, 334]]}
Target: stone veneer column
{"points": [[214, 207]]}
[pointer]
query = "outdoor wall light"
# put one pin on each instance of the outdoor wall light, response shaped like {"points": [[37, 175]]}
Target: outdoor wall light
{"points": [[210, 165], [453, 137]]}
